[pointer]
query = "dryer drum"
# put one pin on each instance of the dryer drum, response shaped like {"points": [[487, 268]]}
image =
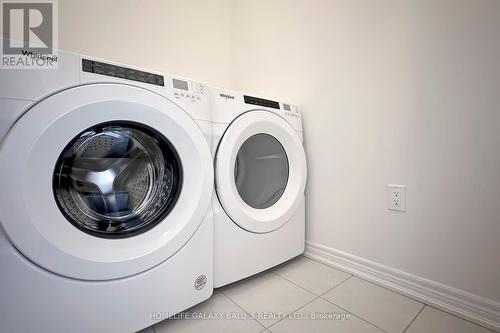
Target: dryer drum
{"points": [[117, 179]]}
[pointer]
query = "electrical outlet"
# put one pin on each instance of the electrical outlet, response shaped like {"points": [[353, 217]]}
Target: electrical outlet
{"points": [[396, 197]]}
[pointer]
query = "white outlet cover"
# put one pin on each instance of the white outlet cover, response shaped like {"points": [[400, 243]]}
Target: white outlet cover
{"points": [[396, 197]]}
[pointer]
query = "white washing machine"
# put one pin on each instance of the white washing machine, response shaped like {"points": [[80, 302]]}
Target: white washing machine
{"points": [[260, 176], [105, 214]]}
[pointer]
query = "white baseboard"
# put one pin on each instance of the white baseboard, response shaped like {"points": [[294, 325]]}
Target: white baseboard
{"points": [[477, 309]]}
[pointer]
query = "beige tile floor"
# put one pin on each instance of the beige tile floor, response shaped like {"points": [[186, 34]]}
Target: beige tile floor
{"points": [[304, 295]]}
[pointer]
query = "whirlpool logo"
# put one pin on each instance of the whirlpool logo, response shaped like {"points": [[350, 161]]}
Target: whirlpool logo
{"points": [[226, 96]]}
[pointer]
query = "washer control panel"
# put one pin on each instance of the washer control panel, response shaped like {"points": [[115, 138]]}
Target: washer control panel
{"points": [[187, 90]]}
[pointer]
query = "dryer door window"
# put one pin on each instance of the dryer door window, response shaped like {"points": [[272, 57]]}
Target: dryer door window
{"points": [[261, 171], [117, 179]]}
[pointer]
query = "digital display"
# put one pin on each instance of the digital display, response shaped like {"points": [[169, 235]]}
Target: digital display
{"points": [[261, 102], [180, 84]]}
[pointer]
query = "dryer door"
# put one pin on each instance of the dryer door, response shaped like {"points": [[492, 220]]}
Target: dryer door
{"points": [[260, 171], [103, 181]]}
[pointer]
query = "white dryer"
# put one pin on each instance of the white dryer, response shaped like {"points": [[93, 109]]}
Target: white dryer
{"points": [[260, 177], [105, 215]]}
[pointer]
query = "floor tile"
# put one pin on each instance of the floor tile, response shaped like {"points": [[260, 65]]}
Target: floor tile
{"points": [[218, 314], [268, 297], [333, 319], [311, 275], [384, 308], [437, 321]]}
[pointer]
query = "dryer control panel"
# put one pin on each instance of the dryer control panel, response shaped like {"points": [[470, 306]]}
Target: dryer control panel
{"points": [[227, 105], [288, 111], [291, 111]]}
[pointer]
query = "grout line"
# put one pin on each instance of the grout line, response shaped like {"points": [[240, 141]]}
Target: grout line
{"points": [[376, 281], [237, 305], [293, 311], [317, 297], [284, 317], [272, 271], [297, 285], [464, 319], [335, 286], [312, 292], [381, 285], [424, 304], [338, 284], [414, 318], [366, 321]]}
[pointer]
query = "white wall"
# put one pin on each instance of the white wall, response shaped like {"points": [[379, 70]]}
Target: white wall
{"points": [[190, 38], [391, 91]]}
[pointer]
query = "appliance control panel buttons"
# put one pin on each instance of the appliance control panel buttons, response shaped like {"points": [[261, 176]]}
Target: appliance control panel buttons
{"points": [[290, 111], [187, 96], [292, 114], [196, 88], [187, 90]]}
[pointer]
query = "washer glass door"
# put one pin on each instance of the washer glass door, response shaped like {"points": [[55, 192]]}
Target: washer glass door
{"points": [[117, 179], [104, 194]]}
